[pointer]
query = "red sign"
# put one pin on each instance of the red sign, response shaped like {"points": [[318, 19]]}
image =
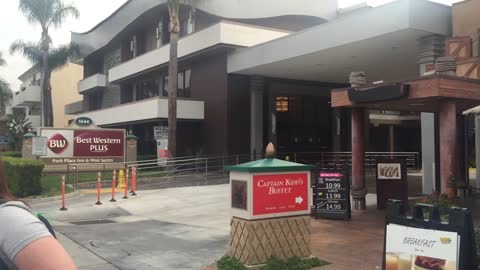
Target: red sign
{"points": [[98, 143], [57, 143], [280, 193]]}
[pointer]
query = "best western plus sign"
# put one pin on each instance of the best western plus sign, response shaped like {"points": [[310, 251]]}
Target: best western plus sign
{"points": [[279, 193]]}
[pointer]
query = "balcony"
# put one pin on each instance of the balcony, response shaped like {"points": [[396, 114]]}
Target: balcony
{"points": [[92, 82], [153, 108], [221, 34], [27, 95], [34, 120], [74, 108]]}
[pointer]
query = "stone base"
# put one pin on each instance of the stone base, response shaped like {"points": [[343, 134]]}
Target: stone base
{"points": [[253, 242]]}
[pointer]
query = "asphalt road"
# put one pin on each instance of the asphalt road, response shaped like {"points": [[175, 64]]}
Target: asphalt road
{"points": [[177, 228]]}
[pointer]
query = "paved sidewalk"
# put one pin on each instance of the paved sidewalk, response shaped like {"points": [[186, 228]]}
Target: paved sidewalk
{"points": [[84, 259]]}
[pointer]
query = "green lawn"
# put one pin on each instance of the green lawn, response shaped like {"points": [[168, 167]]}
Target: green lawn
{"points": [[52, 183]]}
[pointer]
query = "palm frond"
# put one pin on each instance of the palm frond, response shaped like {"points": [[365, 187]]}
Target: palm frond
{"points": [[2, 61], [31, 51], [62, 12], [37, 11], [60, 56]]}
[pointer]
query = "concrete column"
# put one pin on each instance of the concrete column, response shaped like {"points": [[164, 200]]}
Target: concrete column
{"points": [[429, 49], [358, 159], [477, 149], [428, 152], [257, 86], [272, 118], [448, 143], [391, 138]]}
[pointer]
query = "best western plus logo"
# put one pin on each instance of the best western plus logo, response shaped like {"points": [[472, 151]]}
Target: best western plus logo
{"points": [[57, 143]]}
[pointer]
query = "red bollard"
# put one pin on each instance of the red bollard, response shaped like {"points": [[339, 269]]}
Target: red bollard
{"points": [[99, 186], [113, 186], [63, 194], [126, 184], [134, 181]]}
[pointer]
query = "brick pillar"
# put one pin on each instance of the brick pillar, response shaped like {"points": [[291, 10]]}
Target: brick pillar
{"points": [[448, 144], [358, 159]]}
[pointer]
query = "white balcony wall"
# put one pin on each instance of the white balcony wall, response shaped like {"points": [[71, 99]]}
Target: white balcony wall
{"points": [[146, 109], [223, 33], [94, 81], [34, 120], [31, 94]]}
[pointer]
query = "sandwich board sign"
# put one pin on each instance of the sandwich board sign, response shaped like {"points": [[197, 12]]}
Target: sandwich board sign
{"points": [[425, 242]]}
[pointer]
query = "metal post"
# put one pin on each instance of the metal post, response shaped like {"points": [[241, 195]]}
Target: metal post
{"points": [[295, 157], [206, 169], [75, 178], [236, 157]]}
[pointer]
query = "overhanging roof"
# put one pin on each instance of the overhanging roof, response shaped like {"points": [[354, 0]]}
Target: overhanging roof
{"points": [[380, 41], [106, 30], [425, 94]]}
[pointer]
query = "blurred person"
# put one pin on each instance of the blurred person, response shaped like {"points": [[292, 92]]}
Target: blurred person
{"points": [[25, 241]]}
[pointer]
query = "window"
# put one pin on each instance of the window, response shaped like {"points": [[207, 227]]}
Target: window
{"points": [[133, 46], [126, 94], [95, 101], [147, 89], [183, 84], [160, 33], [282, 104], [187, 24], [34, 111]]}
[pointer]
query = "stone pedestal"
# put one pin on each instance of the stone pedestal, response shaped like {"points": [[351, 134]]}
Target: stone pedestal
{"points": [[27, 141], [131, 148], [253, 242]]}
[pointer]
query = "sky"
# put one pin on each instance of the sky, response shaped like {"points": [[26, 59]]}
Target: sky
{"points": [[14, 26]]}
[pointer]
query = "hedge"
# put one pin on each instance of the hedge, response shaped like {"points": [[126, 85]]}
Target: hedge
{"points": [[11, 154], [23, 176]]}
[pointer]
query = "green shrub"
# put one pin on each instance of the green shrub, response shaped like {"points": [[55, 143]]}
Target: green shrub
{"points": [[294, 263], [23, 176], [11, 154], [229, 263]]}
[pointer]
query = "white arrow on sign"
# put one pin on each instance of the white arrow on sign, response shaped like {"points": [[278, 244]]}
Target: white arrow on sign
{"points": [[299, 200]]}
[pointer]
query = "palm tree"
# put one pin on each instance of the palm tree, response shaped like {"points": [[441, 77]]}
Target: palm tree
{"points": [[5, 90], [57, 58], [46, 13], [17, 127], [2, 61], [174, 29], [5, 96]]}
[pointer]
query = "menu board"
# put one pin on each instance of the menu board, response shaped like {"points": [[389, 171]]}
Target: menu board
{"points": [[332, 195], [410, 248]]}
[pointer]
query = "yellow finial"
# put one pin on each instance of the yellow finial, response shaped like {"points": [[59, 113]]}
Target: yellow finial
{"points": [[270, 151]]}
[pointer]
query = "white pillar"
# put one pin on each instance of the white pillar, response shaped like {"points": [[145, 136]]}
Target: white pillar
{"points": [[477, 149], [428, 152], [257, 85]]}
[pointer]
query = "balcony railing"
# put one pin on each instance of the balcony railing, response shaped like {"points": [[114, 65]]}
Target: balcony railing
{"points": [[74, 108], [92, 82], [27, 95], [223, 33], [146, 109]]}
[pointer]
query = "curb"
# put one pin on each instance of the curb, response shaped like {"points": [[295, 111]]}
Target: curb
{"points": [[52, 199]]}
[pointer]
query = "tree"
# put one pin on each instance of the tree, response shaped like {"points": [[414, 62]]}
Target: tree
{"points": [[46, 13], [5, 95], [174, 29], [17, 127], [2, 61], [5, 90], [57, 58]]}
